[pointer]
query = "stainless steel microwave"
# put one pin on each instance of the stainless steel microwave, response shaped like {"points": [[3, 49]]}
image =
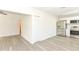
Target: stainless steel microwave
{"points": [[74, 21]]}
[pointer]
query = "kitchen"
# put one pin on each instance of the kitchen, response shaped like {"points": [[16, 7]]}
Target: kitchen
{"points": [[70, 28]]}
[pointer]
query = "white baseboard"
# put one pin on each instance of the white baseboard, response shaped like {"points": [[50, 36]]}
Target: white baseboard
{"points": [[29, 40], [34, 41], [43, 38], [9, 35]]}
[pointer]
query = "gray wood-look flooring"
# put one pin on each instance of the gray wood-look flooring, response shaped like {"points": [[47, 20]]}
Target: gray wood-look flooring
{"points": [[17, 43]]}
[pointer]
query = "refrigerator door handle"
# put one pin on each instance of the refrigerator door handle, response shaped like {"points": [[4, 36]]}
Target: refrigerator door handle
{"points": [[66, 26]]}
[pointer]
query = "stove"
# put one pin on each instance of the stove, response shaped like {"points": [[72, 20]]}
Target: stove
{"points": [[74, 31]]}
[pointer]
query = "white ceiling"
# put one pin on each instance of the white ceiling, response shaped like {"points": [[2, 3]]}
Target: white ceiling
{"points": [[59, 10]]}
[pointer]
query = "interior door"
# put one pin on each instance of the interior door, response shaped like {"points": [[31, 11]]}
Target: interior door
{"points": [[61, 28]]}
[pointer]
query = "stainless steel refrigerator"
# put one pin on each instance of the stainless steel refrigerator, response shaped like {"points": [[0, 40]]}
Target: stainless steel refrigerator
{"points": [[61, 27]]}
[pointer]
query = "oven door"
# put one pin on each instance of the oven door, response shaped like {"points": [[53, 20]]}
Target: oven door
{"points": [[73, 32]]}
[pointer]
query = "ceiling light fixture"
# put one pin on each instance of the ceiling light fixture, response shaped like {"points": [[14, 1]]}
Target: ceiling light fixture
{"points": [[62, 7]]}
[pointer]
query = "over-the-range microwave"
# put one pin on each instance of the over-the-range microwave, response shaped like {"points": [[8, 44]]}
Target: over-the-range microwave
{"points": [[74, 21]]}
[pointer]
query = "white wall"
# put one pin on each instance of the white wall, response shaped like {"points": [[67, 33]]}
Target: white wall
{"points": [[9, 24], [33, 29], [68, 22], [26, 27], [42, 27]]}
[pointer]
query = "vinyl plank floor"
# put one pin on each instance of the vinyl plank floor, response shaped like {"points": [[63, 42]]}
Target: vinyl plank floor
{"points": [[57, 43]]}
